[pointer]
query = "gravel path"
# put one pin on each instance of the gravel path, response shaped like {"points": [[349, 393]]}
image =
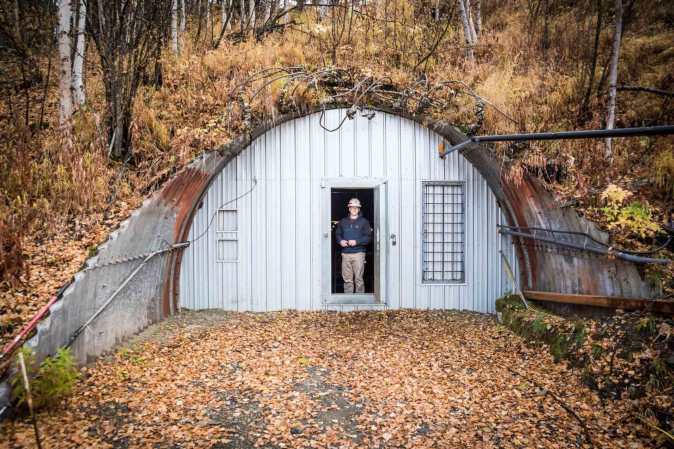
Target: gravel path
{"points": [[328, 380]]}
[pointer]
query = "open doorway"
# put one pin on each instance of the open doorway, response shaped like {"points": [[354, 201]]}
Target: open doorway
{"points": [[339, 198]]}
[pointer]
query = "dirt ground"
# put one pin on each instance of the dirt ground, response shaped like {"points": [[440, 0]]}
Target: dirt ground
{"points": [[329, 380]]}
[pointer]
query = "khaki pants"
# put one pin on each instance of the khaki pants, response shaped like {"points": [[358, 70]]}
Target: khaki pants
{"points": [[353, 267]]}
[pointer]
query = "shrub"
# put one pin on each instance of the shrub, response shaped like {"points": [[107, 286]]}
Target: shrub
{"points": [[635, 218], [52, 382], [614, 195]]}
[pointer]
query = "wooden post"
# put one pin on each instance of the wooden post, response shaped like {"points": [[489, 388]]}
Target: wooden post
{"points": [[511, 276], [29, 399]]}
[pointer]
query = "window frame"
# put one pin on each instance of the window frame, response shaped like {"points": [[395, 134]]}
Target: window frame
{"points": [[422, 271], [229, 235]]}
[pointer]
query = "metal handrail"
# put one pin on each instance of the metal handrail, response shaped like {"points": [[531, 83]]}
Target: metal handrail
{"points": [[107, 302], [604, 251]]}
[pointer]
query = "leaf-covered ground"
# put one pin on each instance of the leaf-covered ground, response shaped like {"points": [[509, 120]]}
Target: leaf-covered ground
{"points": [[326, 380]]}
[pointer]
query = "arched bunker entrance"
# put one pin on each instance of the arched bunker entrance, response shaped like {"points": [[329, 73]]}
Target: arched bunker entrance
{"points": [[263, 233], [173, 215]]}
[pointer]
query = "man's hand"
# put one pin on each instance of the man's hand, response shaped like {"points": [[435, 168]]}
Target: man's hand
{"points": [[343, 243], [352, 243]]}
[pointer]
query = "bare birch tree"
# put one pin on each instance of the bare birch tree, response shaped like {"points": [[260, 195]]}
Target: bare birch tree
{"points": [[226, 5], [65, 63], [613, 75], [270, 7], [471, 24], [251, 9], [468, 32], [242, 15], [183, 17], [477, 11], [436, 11], [174, 28], [79, 95]]}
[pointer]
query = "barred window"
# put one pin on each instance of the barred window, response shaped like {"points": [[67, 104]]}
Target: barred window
{"points": [[443, 243], [227, 239]]}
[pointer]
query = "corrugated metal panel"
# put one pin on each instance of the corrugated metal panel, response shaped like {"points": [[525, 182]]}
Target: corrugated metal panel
{"points": [[278, 248]]}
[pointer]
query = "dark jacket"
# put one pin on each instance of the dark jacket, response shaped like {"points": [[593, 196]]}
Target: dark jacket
{"points": [[358, 230]]}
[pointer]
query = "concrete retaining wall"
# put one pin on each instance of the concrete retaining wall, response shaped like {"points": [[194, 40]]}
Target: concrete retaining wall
{"points": [[142, 301]]}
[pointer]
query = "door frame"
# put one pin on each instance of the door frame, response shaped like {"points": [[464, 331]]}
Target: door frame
{"points": [[378, 239]]}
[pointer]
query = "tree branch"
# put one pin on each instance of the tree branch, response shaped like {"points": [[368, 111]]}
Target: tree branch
{"points": [[557, 399], [650, 90]]}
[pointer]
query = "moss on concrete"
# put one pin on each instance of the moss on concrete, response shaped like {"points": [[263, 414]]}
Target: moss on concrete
{"points": [[624, 355]]}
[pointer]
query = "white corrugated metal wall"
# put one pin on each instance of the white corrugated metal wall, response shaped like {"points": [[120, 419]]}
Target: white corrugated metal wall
{"points": [[273, 252]]}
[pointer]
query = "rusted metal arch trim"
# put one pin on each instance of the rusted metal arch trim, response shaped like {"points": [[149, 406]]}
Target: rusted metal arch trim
{"points": [[477, 155]]}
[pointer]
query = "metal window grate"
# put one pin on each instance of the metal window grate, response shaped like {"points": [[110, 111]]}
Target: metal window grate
{"points": [[443, 258]]}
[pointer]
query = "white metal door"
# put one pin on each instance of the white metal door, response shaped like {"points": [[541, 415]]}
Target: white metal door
{"points": [[380, 242], [326, 242]]}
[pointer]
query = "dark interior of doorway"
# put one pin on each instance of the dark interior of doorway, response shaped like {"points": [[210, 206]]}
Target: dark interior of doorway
{"points": [[339, 198]]}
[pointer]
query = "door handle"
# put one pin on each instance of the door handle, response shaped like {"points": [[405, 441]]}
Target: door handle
{"points": [[393, 239]]}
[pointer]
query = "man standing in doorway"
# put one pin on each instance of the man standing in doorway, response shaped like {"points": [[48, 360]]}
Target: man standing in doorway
{"points": [[353, 235]]}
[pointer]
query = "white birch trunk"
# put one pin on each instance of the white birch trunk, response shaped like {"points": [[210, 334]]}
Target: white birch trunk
{"points": [[65, 63], [436, 11], [466, 30], [242, 14], [613, 75], [174, 27], [268, 11], [478, 16], [251, 6], [182, 16], [471, 25], [79, 95], [225, 9], [281, 8]]}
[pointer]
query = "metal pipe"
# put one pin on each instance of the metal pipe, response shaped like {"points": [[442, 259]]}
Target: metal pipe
{"points": [[27, 329], [618, 254], [586, 134]]}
